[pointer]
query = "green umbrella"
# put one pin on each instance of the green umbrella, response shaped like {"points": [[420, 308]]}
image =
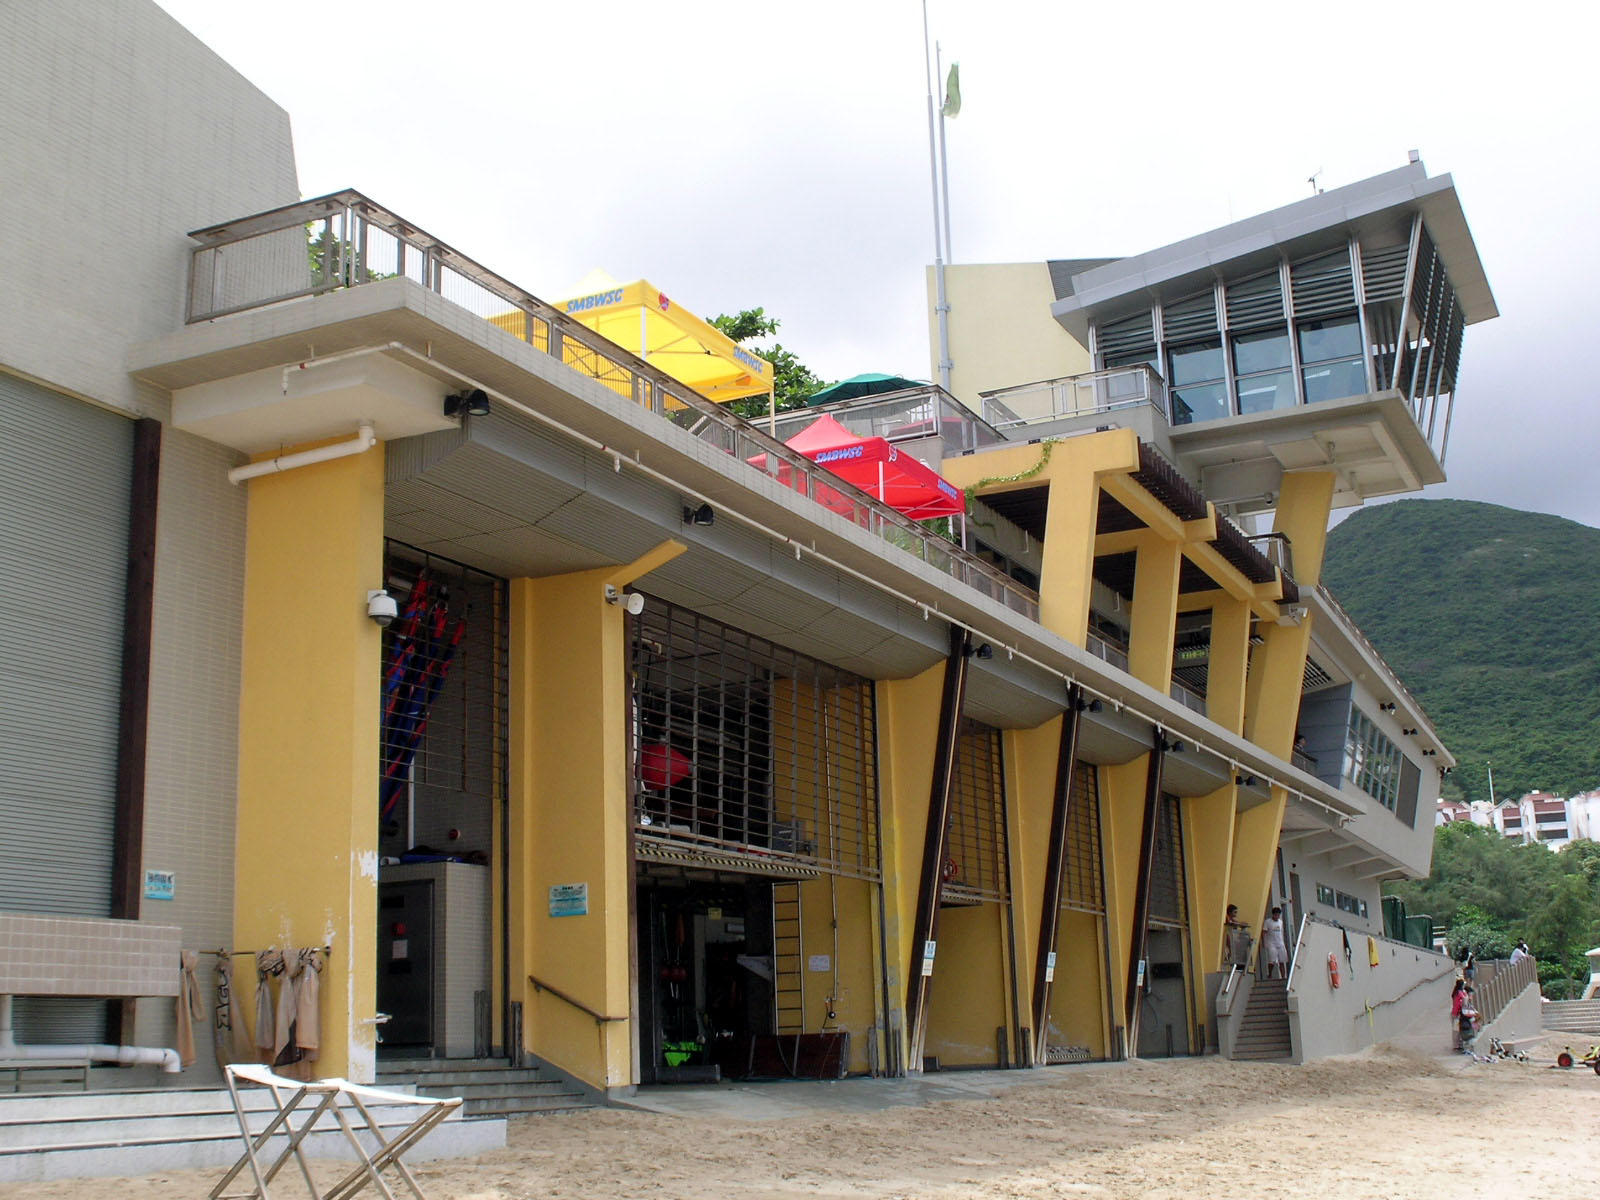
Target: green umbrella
{"points": [[870, 384]]}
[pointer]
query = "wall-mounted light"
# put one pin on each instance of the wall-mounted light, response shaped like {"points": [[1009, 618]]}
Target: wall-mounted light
{"points": [[1408, 733], [1429, 753], [704, 515], [472, 404], [1093, 706], [982, 650], [381, 608], [631, 603], [1245, 780], [1386, 706]]}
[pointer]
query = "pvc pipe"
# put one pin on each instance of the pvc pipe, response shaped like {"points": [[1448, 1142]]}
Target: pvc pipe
{"points": [[138, 1056], [362, 442]]}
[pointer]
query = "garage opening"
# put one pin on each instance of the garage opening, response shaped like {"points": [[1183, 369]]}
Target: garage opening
{"points": [[1167, 1011], [755, 837], [441, 805]]}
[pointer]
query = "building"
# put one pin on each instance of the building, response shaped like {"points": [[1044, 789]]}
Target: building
{"points": [[380, 609]]}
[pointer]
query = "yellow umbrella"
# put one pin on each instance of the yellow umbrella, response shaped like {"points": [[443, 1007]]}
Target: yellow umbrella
{"points": [[641, 319]]}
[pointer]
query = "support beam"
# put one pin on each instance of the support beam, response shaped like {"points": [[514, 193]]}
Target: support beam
{"points": [[1055, 868], [1141, 896], [1228, 663], [925, 924], [1152, 629]]}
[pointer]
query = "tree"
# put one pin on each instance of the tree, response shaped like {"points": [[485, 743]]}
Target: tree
{"points": [[793, 381]]}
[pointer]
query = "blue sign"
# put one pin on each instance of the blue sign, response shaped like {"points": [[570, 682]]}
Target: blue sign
{"points": [[160, 885], [598, 300], [569, 900]]}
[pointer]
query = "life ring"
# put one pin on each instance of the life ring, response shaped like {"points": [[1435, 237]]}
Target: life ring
{"points": [[1333, 970]]}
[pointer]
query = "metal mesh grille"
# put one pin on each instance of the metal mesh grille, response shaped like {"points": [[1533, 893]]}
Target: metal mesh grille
{"points": [[1081, 886], [743, 744], [443, 733], [1168, 903], [975, 866]]}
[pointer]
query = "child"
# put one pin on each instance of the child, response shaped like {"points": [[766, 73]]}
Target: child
{"points": [[1467, 1022]]}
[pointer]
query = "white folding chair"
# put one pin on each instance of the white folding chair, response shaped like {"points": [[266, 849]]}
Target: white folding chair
{"points": [[289, 1097]]}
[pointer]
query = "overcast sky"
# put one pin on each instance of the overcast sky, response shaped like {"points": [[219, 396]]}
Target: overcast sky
{"points": [[761, 154]]}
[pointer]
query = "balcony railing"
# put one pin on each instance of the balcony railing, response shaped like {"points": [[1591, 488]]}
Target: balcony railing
{"points": [[345, 240], [1099, 392], [926, 414]]}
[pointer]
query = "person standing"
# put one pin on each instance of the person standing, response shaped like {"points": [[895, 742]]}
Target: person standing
{"points": [[1458, 995], [1469, 964], [1273, 947], [1235, 939], [1520, 953]]}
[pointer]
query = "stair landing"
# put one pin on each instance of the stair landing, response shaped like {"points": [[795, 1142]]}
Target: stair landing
{"points": [[488, 1087], [1264, 1029]]}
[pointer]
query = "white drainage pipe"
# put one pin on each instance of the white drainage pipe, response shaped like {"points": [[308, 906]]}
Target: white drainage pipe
{"points": [[362, 442], [132, 1056]]}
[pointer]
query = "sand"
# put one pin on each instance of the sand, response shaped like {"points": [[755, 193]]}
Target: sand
{"points": [[1383, 1124]]}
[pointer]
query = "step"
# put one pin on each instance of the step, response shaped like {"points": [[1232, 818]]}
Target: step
{"points": [[438, 1079]]}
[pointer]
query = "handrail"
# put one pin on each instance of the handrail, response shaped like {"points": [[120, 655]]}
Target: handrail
{"points": [[1504, 986], [1294, 955], [540, 985], [363, 242], [1369, 1008]]}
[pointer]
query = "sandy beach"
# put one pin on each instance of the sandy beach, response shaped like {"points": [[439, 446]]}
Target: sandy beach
{"points": [[1384, 1124]]}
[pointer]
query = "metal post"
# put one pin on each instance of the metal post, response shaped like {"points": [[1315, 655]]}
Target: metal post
{"points": [[941, 306]]}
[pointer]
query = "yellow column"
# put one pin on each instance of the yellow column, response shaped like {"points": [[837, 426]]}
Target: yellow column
{"points": [[306, 864], [1072, 469], [1229, 660], [569, 822], [1276, 678], [1152, 629], [907, 713]]}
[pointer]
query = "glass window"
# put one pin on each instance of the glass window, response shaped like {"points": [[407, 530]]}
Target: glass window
{"points": [[1267, 350], [1199, 402], [1199, 363], [1263, 393], [1334, 381], [1323, 340]]}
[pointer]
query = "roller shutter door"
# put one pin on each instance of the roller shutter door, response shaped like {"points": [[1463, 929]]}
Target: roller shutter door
{"points": [[64, 480]]}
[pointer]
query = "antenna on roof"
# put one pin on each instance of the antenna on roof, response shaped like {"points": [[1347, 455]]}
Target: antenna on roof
{"points": [[1315, 190]]}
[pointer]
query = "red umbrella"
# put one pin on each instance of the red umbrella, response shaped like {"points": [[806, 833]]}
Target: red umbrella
{"points": [[876, 467]]}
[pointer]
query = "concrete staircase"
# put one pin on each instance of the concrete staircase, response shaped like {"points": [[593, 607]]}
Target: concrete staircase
{"points": [[1572, 1016], [88, 1134], [1264, 1028], [489, 1087]]}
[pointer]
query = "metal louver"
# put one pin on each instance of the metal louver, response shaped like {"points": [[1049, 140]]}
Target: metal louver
{"points": [[1255, 302], [1190, 320], [1323, 286], [1130, 335], [1383, 272]]}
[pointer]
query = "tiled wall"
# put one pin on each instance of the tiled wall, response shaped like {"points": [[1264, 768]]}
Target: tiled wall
{"points": [[85, 956], [191, 776]]}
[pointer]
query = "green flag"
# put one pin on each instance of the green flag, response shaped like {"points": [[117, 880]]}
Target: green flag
{"points": [[952, 92]]}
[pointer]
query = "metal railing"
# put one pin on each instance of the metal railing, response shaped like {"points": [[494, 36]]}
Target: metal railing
{"points": [[1276, 549], [1187, 696], [915, 415], [1097, 392], [345, 240], [1104, 648]]}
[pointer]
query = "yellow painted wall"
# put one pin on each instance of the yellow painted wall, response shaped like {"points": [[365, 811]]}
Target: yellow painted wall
{"points": [[1078, 997], [1001, 330], [307, 864], [570, 820], [969, 999], [1030, 766], [1121, 826], [852, 976], [1208, 830], [908, 713]]}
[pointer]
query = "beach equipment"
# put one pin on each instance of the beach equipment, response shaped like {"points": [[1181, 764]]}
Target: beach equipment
{"points": [[871, 383], [299, 1108], [420, 654]]}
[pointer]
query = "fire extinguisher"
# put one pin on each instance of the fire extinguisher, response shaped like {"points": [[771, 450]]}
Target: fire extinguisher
{"points": [[1333, 971]]}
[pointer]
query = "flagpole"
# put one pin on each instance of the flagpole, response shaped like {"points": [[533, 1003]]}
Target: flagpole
{"points": [[944, 157], [941, 305]]}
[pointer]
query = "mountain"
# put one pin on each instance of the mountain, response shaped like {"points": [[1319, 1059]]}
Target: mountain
{"points": [[1491, 617]]}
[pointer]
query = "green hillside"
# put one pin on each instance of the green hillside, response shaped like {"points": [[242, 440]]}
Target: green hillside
{"points": [[1491, 617]]}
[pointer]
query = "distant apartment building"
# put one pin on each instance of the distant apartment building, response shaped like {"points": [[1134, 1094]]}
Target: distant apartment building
{"points": [[1539, 817]]}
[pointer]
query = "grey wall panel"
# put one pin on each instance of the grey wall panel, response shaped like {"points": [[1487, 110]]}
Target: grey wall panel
{"points": [[64, 480]]}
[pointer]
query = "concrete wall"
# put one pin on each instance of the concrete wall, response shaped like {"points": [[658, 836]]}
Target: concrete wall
{"points": [[1404, 1000], [1001, 330], [120, 133]]}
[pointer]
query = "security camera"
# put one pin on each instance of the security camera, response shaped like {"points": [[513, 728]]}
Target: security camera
{"points": [[382, 608]]}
